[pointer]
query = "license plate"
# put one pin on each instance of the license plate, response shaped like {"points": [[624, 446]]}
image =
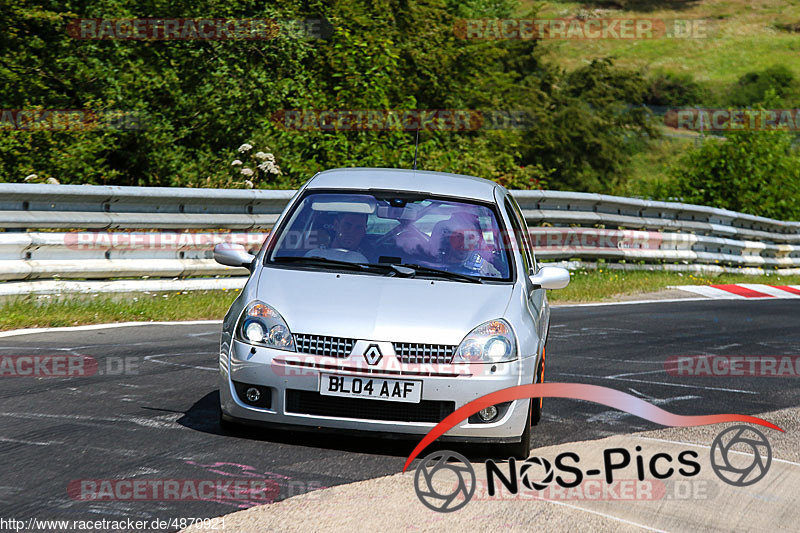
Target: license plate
{"points": [[395, 390]]}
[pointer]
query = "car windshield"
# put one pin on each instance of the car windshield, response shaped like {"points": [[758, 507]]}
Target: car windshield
{"points": [[458, 237]]}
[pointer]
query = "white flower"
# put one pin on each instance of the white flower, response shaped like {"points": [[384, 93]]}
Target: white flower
{"points": [[276, 171], [261, 155], [53, 181], [247, 171], [245, 148], [248, 184], [236, 163], [263, 166], [31, 177]]}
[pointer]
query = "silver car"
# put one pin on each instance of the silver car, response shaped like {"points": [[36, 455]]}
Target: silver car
{"points": [[382, 301]]}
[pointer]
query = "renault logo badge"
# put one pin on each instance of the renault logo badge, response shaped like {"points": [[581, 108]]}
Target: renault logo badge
{"points": [[373, 354]]}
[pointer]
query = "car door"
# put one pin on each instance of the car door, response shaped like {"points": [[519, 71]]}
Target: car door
{"points": [[537, 298]]}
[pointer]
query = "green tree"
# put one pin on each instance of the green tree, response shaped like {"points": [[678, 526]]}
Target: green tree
{"points": [[202, 99], [752, 172]]}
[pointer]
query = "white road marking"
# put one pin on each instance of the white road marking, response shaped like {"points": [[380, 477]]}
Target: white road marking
{"points": [[154, 356], [659, 371], [618, 360], [710, 292], [30, 442], [161, 422], [595, 331], [661, 383], [31, 331], [207, 333], [614, 414], [141, 471], [717, 293], [632, 302], [724, 346]]}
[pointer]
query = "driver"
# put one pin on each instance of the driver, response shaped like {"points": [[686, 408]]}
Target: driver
{"points": [[456, 245], [349, 230]]}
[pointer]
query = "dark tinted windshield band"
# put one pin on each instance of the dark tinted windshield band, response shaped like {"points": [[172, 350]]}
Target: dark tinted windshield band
{"points": [[463, 237]]}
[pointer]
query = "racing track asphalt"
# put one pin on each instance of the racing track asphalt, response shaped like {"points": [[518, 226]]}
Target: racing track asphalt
{"points": [[161, 421]]}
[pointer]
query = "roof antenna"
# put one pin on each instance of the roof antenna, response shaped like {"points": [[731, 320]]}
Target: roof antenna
{"points": [[416, 144]]}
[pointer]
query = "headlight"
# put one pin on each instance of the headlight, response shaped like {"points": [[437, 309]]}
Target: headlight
{"points": [[261, 324], [491, 342]]}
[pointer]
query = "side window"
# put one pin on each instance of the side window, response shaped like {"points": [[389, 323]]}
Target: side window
{"points": [[525, 231], [519, 236]]}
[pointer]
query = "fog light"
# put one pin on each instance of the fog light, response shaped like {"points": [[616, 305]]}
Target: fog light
{"points": [[488, 414], [253, 395]]}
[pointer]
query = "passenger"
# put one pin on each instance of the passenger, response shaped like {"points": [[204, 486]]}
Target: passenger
{"points": [[457, 245]]}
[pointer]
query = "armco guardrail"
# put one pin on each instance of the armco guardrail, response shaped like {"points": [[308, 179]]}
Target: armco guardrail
{"points": [[588, 226], [104, 232]]}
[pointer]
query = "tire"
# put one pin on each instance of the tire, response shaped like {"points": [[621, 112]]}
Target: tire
{"points": [[517, 450], [522, 449], [227, 426], [537, 403]]}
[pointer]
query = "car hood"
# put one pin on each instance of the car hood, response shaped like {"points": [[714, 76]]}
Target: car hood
{"points": [[381, 308]]}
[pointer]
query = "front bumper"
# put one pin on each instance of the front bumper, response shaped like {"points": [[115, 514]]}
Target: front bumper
{"points": [[289, 376]]}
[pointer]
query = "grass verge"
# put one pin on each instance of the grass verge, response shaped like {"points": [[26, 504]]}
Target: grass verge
{"points": [[607, 285], [39, 311], [77, 309]]}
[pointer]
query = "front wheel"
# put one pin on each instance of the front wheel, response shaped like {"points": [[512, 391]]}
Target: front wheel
{"points": [[536, 412], [226, 426], [521, 449]]}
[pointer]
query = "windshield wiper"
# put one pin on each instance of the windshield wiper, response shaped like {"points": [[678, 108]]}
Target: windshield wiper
{"points": [[392, 269], [321, 261], [419, 269]]}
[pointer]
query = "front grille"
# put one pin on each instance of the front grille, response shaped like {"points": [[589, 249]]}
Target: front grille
{"points": [[313, 403], [410, 352], [322, 345]]}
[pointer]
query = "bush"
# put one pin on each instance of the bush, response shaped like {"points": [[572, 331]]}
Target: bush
{"points": [[669, 89], [755, 87], [592, 124], [751, 172]]}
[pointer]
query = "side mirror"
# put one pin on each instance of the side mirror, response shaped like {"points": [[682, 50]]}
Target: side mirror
{"points": [[231, 254], [550, 278]]}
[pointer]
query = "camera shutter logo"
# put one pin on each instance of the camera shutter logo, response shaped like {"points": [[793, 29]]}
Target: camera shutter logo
{"points": [[447, 464], [373, 354], [525, 477], [729, 468]]}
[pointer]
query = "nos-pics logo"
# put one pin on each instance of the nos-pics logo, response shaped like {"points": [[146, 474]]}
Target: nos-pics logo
{"points": [[445, 481]]}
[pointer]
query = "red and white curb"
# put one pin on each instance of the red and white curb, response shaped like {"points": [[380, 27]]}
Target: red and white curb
{"points": [[743, 291]]}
